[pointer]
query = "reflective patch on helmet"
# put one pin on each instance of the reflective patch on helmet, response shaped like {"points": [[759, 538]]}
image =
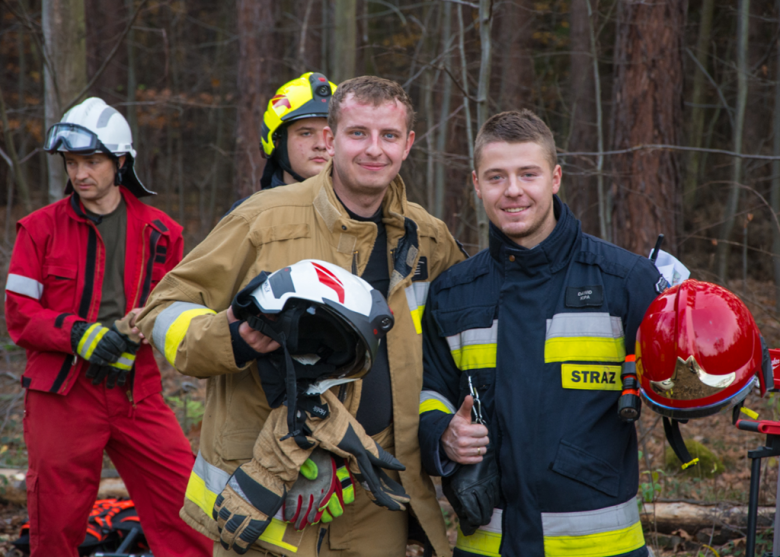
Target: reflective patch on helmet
{"points": [[104, 117], [591, 377]]}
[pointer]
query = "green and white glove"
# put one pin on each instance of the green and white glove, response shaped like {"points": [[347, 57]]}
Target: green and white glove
{"points": [[320, 492]]}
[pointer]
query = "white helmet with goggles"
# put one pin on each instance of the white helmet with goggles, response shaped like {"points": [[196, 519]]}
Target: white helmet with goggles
{"points": [[328, 322], [94, 127]]}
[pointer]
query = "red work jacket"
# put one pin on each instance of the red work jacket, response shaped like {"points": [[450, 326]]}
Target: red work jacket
{"points": [[56, 277]]}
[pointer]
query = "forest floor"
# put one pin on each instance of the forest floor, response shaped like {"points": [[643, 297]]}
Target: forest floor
{"points": [[658, 482]]}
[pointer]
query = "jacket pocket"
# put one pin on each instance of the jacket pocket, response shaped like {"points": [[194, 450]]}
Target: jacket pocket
{"points": [[581, 466], [59, 286]]}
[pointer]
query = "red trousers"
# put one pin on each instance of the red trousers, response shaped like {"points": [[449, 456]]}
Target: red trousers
{"points": [[66, 436]]}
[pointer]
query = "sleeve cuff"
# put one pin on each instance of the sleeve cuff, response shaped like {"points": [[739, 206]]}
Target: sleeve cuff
{"points": [[242, 352], [433, 424]]}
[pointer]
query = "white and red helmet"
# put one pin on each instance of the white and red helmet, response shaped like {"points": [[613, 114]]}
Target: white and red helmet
{"points": [[332, 320]]}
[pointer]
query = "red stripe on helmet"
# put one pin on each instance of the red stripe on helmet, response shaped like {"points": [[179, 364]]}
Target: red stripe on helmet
{"points": [[330, 280]]}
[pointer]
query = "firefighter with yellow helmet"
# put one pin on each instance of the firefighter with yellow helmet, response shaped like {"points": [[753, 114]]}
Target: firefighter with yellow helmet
{"points": [[291, 134]]}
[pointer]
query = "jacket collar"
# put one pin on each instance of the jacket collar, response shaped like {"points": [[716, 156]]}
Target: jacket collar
{"points": [[394, 205], [134, 207], [553, 253]]}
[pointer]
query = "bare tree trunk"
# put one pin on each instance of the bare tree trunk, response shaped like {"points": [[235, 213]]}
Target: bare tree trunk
{"points": [[580, 187], [736, 176], [444, 113], [132, 82], [65, 75], [19, 177], [104, 25], [775, 191], [647, 109], [256, 82], [514, 27], [344, 41], [483, 102], [696, 129]]}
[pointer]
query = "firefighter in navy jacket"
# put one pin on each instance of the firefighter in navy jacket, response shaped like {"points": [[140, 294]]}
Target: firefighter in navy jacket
{"points": [[541, 322]]}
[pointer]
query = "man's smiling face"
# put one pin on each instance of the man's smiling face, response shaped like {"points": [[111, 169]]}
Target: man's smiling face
{"points": [[369, 145], [516, 183]]}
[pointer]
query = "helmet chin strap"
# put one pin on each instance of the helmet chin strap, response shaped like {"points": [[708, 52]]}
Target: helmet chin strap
{"points": [[283, 156], [673, 435]]}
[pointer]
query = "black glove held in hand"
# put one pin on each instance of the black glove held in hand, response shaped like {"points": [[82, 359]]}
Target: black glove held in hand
{"points": [[111, 351], [474, 490]]}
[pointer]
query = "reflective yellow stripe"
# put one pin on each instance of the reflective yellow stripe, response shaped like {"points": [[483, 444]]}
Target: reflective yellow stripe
{"points": [[481, 542], [175, 333], [417, 318], [416, 295], [433, 404], [90, 340], [200, 494], [125, 362], [274, 533], [475, 356], [589, 377], [587, 349], [601, 544]]}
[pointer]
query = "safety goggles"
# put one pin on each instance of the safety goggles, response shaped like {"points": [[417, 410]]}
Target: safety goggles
{"points": [[74, 138]]}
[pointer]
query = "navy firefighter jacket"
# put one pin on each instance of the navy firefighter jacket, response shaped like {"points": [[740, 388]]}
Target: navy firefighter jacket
{"points": [[543, 333]]}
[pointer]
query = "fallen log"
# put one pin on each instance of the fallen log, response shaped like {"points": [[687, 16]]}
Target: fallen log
{"points": [[13, 488], [729, 519]]}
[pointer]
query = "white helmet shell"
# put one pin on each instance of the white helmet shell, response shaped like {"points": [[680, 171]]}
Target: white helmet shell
{"points": [[106, 122], [315, 281], [112, 131]]}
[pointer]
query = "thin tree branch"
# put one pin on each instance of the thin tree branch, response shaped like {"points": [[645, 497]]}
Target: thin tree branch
{"points": [[108, 59], [463, 3], [24, 18], [729, 110], [433, 128], [654, 146]]}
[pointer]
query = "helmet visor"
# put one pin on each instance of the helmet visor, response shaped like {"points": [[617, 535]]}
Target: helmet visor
{"points": [[71, 137]]}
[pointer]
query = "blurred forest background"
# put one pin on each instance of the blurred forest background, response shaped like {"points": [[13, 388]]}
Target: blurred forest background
{"points": [[666, 115], [664, 112]]}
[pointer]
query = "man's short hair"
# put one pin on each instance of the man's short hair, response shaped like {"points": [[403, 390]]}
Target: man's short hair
{"points": [[369, 89], [516, 126]]}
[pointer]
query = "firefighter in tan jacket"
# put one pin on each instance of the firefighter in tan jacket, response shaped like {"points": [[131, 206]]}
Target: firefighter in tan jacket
{"points": [[354, 214]]}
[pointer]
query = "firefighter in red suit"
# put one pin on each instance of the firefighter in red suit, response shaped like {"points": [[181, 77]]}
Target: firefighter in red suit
{"points": [[80, 265]]}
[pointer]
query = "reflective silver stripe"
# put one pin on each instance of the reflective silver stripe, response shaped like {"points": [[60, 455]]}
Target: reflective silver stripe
{"points": [[495, 522], [166, 319], [591, 522], [24, 286], [472, 337], [86, 345], [584, 325], [125, 363], [417, 294], [233, 483], [215, 478], [433, 395]]}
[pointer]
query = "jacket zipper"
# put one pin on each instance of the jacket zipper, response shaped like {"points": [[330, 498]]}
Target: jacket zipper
{"points": [[354, 262], [141, 273]]}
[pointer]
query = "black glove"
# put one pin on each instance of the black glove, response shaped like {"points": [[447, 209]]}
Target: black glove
{"points": [[111, 351], [474, 490]]}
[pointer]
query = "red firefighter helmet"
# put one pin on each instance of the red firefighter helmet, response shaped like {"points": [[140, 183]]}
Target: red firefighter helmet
{"points": [[698, 350]]}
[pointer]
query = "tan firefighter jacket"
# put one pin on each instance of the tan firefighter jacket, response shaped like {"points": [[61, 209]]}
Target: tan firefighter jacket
{"points": [[186, 319]]}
